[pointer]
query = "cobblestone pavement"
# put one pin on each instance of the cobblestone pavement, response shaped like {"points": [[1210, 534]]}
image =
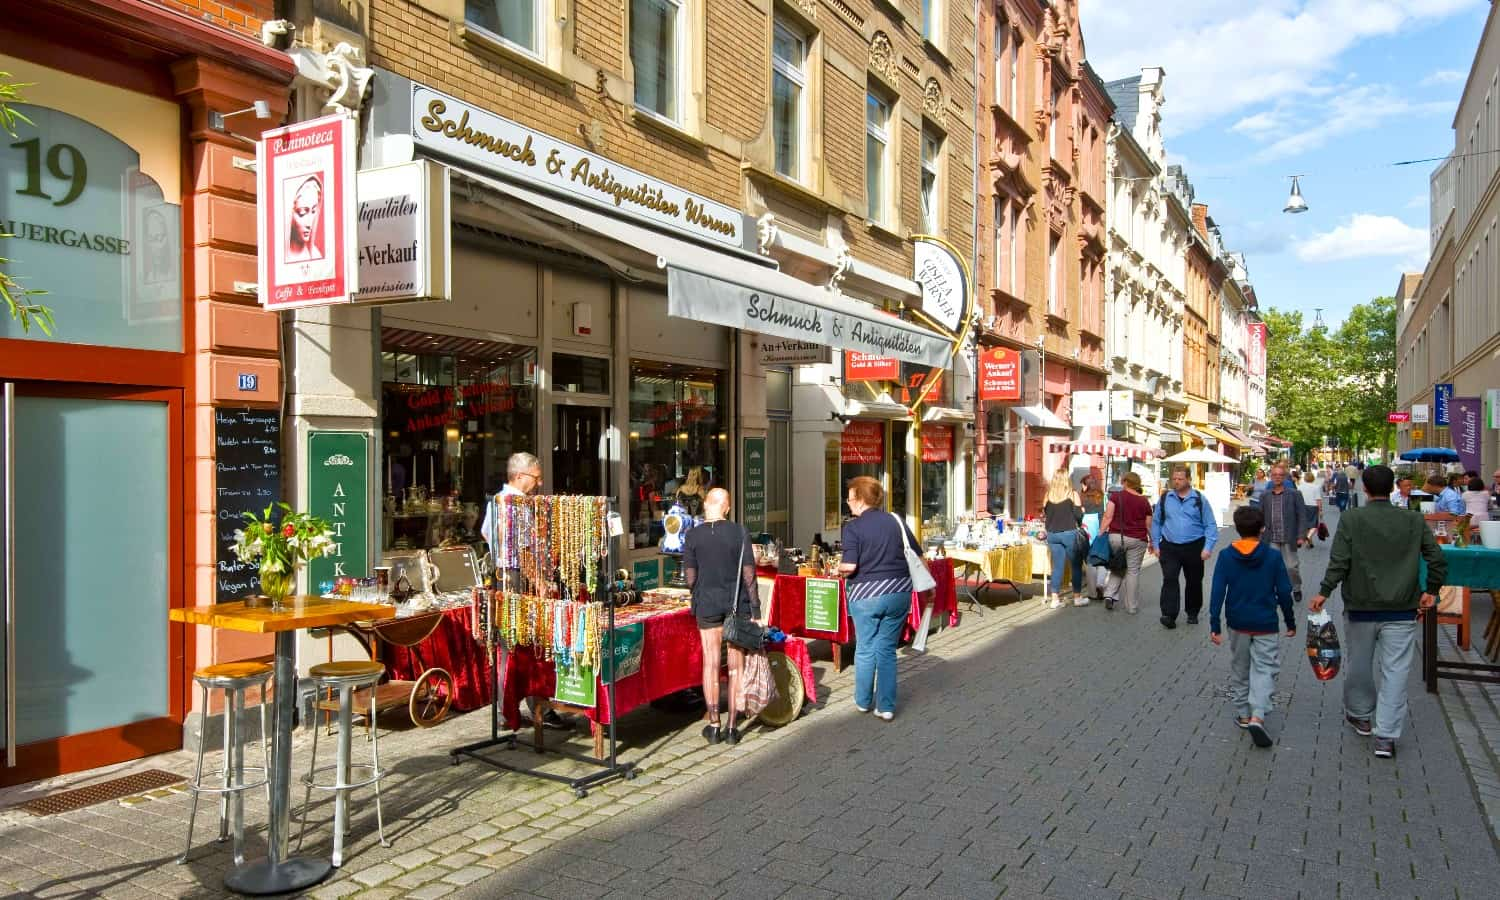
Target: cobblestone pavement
{"points": [[1071, 754]]}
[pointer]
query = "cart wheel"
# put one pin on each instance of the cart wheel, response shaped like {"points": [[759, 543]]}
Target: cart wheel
{"points": [[789, 695], [430, 698], [580, 793]]}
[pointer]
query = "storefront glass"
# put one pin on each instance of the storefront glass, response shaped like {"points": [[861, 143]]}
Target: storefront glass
{"points": [[937, 470], [678, 444], [861, 452], [779, 454], [452, 416]]}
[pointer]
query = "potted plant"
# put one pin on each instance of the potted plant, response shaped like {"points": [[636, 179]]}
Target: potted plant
{"points": [[281, 547]]}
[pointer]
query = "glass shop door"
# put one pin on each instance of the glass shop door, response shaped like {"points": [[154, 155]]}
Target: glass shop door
{"points": [[580, 451]]}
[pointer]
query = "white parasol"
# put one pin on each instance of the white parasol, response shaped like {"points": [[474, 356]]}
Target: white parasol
{"points": [[1200, 455]]}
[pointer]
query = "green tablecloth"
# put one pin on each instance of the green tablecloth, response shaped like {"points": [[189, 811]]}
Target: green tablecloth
{"points": [[1472, 567]]}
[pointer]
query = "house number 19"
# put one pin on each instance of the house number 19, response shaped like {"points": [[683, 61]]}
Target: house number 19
{"points": [[64, 162]]}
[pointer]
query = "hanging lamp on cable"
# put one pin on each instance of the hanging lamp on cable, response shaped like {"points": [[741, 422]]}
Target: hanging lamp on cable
{"points": [[1295, 203]]}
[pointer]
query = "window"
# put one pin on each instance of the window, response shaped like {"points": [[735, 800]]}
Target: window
{"points": [[1007, 69], [516, 22], [1055, 123], [676, 440], [877, 151], [932, 154], [788, 106], [1008, 246], [932, 22], [1054, 275], [655, 54]]}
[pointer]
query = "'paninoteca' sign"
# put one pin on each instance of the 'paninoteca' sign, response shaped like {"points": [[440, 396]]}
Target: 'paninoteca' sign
{"points": [[305, 181], [404, 233], [451, 127]]}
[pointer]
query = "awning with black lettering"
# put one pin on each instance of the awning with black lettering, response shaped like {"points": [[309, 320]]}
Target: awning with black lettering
{"points": [[709, 285]]}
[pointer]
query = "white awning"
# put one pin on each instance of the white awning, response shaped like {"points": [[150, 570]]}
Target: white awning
{"points": [[714, 286], [1042, 420]]}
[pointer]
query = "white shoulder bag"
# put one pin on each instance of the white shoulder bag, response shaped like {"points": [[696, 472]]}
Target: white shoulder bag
{"points": [[921, 579]]}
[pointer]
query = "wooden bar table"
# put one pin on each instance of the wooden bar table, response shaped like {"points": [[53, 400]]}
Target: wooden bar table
{"points": [[278, 873]]}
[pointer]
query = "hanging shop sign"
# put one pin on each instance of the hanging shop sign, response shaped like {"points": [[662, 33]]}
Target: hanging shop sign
{"points": [[780, 352], [1121, 405], [866, 367], [821, 612], [863, 443], [305, 183], [1441, 394], [1419, 413], [945, 284], [1090, 409], [338, 490], [1464, 431], [753, 487], [446, 125], [1000, 374], [1398, 417], [404, 233], [937, 443], [1255, 353], [1492, 408]]}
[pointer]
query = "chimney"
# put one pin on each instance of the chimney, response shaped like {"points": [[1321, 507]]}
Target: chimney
{"points": [[1200, 219]]}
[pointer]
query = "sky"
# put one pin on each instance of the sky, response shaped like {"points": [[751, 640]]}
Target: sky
{"points": [[1334, 90]]}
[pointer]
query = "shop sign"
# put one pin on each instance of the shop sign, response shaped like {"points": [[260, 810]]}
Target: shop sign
{"points": [[1418, 433], [1419, 413], [1000, 374], [630, 640], [779, 352], [1441, 394], [338, 490], [821, 609], [405, 234], [576, 685], [753, 490], [451, 127], [863, 443], [305, 183], [866, 367], [1492, 408], [646, 573], [93, 230], [1121, 405], [247, 478], [1090, 409], [1398, 417], [937, 443], [1465, 431], [1256, 351], [945, 286]]}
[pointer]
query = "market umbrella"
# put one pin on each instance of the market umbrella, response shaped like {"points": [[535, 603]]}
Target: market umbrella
{"points": [[1201, 455], [1107, 449], [1431, 454]]}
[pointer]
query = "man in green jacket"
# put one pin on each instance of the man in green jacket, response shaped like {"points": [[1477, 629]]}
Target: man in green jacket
{"points": [[1375, 556]]}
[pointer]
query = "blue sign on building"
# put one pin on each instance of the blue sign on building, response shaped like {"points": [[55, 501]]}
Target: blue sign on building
{"points": [[1441, 394]]}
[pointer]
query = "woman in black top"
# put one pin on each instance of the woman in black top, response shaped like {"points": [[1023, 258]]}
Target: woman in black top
{"points": [[1062, 514], [720, 568]]}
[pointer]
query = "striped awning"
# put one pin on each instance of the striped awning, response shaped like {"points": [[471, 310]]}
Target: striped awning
{"points": [[1107, 449]]}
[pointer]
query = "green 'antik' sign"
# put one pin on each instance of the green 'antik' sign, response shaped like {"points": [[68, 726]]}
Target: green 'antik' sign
{"points": [[339, 491], [753, 491], [822, 610]]}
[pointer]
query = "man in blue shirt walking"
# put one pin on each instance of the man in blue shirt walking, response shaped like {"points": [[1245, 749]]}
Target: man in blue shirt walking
{"points": [[1183, 534]]}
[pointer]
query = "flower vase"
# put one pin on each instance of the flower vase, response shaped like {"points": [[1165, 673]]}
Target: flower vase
{"points": [[277, 586]]}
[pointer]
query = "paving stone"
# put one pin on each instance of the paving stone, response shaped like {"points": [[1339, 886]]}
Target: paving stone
{"points": [[378, 874]]}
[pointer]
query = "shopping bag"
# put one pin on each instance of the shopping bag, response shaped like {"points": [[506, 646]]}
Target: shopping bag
{"points": [[1099, 551], [757, 687], [1322, 531], [1323, 650]]}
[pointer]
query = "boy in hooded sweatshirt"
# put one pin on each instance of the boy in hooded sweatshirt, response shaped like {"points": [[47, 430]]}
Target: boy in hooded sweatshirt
{"points": [[1250, 581]]}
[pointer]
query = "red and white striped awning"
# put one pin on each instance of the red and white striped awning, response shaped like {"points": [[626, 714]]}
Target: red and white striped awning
{"points": [[1107, 449]]}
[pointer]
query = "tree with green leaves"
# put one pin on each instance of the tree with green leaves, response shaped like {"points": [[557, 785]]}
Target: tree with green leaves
{"points": [[18, 297]]}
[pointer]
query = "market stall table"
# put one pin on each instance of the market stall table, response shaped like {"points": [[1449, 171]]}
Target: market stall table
{"points": [[278, 873], [1011, 566], [1472, 568]]}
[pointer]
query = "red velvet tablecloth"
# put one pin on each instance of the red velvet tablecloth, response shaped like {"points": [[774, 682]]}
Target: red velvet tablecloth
{"points": [[671, 661], [789, 605], [451, 646]]}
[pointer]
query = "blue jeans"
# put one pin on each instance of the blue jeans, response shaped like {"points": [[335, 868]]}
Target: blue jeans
{"points": [[1061, 546], [1341, 501], [877, 629]]}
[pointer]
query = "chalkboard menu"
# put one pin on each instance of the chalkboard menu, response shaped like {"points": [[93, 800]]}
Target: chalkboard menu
{"points": [[247, 478]]}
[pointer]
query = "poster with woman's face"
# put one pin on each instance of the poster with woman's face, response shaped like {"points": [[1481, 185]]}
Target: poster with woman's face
{"points": [[306, 217]]}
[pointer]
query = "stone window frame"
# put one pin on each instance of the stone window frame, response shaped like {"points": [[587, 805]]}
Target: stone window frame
{"points": [[691, 71], [936, 226], [802, 76], [888, 215]]}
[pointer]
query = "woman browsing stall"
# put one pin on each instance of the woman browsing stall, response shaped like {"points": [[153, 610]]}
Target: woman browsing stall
{"points": [[720, 570]]}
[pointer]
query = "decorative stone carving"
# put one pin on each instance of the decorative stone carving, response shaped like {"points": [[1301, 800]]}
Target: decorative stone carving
{"points": [[932, 102], [331, 82], [840, 269], [766, 230], [883, 59], [809, 8]]}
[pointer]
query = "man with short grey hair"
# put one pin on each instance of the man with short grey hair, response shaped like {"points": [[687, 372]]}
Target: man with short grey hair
{"points": [[1287, 523], [523, 475]]}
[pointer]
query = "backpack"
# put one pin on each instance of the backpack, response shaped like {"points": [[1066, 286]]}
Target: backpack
{"points": [[1161, 506]]}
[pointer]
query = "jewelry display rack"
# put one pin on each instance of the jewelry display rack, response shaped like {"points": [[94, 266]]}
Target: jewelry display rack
{"points": [[609, 768]]}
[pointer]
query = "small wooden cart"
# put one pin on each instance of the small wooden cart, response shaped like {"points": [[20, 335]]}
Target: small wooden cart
{"points": [[428, 698]]}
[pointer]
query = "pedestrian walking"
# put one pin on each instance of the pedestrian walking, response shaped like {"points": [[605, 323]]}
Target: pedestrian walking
{"points": [[1250, 583], [1375, 558], [1287, 524], [1092, 496], [1308, 488], [1339, 488], [1127, 518], [879, 589], [1351, 474], [720, 570], [1062, 513], [1183, 534], [1258, 486]]}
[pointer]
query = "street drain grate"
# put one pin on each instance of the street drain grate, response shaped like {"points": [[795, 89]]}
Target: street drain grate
{"points": [[103, 792]]}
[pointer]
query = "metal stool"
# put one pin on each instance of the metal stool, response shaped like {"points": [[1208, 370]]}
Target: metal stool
{"points": [[345, 677], [234, 679]]}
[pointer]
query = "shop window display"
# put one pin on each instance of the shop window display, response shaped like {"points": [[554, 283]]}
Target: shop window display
{"points": [[678, 444], [453, 410]]}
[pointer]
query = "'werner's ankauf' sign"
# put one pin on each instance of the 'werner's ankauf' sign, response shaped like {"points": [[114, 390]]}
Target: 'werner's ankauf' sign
{"points": [[305, 182], [404, 233], [446, 125]]}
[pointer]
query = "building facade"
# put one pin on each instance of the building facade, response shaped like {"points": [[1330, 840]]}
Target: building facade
{"points": [[1041, 238]]}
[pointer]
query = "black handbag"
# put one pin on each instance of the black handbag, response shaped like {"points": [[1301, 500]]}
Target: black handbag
{"points": [[742, 632]]}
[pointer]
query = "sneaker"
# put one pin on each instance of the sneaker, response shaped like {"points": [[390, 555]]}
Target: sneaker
{"points": [[1385, 748], [1242, 721], [1080, 600], [1192, 620], [862, 709], [1054, 603], [1361, 726], [1258, 733], [1296, 596], [1109, 604], [553, 720], [882, 714], [1168, 622]]}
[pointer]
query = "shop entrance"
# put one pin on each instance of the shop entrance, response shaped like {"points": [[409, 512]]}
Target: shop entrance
{"points": [[90, 506], [580, 451]]}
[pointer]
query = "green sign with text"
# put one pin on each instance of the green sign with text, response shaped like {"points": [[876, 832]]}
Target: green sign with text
{"points": [[822, 609], [338, 490], [646, 573], [630, 641], [753, 488]]}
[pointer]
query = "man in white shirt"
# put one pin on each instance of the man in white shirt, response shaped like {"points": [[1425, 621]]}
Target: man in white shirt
{"points": [[523, 475]]}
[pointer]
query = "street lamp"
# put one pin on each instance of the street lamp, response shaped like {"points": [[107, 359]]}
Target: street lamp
{"points": [[1295, 203]]}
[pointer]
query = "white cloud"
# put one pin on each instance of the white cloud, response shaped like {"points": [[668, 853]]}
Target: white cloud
{"points": [[1224, 56], [1365, 235], [1259, 126], [1362, 108], [1444, 76]]}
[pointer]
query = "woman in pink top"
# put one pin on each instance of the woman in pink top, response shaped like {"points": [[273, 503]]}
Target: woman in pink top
{"points": [[1127, 518]]}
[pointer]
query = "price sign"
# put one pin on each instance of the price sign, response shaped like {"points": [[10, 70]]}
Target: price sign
{"points": [[822, 605]]}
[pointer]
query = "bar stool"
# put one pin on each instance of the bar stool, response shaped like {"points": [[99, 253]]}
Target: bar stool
{"points": [[345, 677], [234, 679]]}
